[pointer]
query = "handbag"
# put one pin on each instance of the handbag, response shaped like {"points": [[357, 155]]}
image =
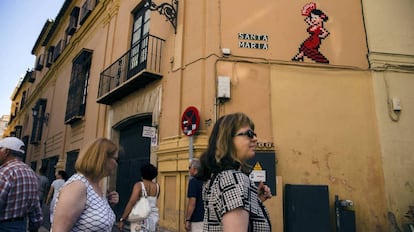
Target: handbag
{"points": [[141, 209]]}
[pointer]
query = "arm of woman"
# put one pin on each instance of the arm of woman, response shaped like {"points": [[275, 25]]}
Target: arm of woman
{"points": [[236, 220], [136, 192], [308, 20], [70, 205], [324, 33], [50, 194]]}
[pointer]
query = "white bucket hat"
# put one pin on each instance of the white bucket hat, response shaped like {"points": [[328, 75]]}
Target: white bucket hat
{"points": [[12, 143]]}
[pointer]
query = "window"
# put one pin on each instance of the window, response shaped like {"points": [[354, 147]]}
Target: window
{"points": [[18, 130], [58, 49], [49, 58], [71, 158], [86, 10], [39, 62], [139, 41], [73, 21], [23, 101], [78, 87], [38, 118], [16, 108], [31, 76]]}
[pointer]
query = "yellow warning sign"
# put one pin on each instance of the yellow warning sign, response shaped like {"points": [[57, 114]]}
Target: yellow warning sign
{"points": [[257, 166]]}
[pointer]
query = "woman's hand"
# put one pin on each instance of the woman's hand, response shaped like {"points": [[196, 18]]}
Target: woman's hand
{"points": [[187, 225], [324, 33], [263, 192], [136, 191], [113, 197], [121, 225]]}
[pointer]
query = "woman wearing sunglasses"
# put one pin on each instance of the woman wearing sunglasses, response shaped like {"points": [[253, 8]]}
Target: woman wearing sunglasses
{"points": [[232, 201]]}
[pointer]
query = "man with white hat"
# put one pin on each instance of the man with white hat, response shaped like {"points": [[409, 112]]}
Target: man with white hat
{"points": [[19, 199]]}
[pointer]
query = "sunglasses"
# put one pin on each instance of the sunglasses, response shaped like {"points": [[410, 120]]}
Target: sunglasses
{"points": [[249, 133]]}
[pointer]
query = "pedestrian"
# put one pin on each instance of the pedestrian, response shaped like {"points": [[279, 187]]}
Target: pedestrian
{"points": [[148, 173], [81, 204], [19, 198], [44, 185], [61, 178], [195, 208], [232, 202]]}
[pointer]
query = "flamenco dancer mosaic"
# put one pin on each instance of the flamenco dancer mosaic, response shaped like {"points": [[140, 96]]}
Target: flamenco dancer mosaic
{"points": [[315, 18]]}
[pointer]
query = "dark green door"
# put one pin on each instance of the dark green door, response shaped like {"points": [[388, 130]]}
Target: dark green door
{"points": [[134, 151]]}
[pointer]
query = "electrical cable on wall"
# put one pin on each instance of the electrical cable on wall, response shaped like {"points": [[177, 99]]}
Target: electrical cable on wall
{"points": [[394, 115]]}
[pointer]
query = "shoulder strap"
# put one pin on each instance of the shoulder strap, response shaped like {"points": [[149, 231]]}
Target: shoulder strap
{"points": [[143, 190]]}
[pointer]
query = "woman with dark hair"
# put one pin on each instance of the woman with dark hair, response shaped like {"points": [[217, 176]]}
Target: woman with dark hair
{"points": [[232, 202], [61, 178], [310, 47], [148, 173]]}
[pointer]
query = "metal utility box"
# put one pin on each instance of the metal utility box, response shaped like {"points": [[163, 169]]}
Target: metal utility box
{"points": [[264, 169], [306, 208]]}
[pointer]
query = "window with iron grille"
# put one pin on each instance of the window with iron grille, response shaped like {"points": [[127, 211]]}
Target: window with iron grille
{"points": [[38, 118], [78, 87], [73, 21], [49, 57], [31, 76], [87, 9], [39, 62], [58, 49], [23, 101], [18, 129]]}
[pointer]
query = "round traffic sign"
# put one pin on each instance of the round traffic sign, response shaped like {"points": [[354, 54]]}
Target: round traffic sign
{"points": [[190, 121]]}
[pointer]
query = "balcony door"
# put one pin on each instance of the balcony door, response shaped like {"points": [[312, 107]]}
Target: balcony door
{"points": [[139, 42]]}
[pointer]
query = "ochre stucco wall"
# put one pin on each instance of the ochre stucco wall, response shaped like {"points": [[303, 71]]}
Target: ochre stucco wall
{"points": [[325, 132], [397, 139], [390, 36]]}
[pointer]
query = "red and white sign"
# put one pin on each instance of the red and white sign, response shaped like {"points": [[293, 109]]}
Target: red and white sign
{"points": [[190, 121]]}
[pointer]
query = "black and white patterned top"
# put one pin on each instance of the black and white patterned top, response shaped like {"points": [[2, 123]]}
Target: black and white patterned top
{"points": [[230, 190], [97, 215]]}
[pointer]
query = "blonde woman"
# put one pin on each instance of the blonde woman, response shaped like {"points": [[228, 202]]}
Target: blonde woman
{"points": [[81, 204], [232, 202]]}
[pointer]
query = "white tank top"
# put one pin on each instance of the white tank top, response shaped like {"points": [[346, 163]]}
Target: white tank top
{"points": [[97, 215]]}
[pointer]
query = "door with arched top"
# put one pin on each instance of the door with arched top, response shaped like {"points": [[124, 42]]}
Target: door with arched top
{"points": [[135, 150]]}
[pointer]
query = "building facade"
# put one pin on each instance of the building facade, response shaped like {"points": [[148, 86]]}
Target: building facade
{"points": [[392, 68], [4, 121], [315, 77]]}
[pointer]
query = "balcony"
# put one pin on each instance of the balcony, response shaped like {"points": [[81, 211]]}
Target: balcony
{"points": [[135, 69], [30, 76]]}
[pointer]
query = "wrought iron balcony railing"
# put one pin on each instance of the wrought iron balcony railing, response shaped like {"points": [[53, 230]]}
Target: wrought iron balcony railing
{"points": [[135, 69]]}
